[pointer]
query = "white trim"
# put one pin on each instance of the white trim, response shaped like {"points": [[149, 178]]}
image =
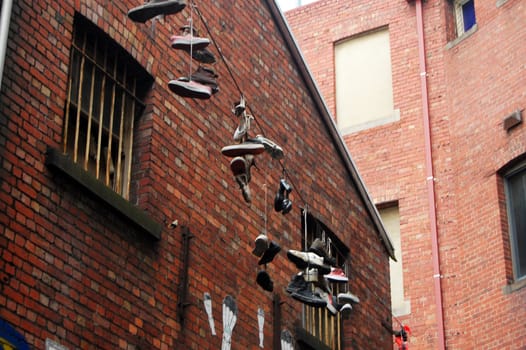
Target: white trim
{"points": [[394, 117], [5, 18]]}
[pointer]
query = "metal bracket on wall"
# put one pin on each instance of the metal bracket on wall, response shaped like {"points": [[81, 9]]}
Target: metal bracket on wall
{"points": [[183, 283]]}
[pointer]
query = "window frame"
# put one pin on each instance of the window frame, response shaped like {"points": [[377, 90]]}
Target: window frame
{"points": [[104, 98], [316, 334], [517, 170], [59, 160], [460, 19], [351, 119]]}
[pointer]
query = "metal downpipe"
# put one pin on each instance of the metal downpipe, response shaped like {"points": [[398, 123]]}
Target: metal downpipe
{"points": [[430, 179], [4, 31]]}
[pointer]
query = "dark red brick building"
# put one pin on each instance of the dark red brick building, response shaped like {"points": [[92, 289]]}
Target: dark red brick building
{"points": [[121, 221], [444, 160]]}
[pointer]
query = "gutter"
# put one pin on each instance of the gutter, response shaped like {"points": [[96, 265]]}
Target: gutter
{"points": [[337, 139], [430, 179], [4, 31]]}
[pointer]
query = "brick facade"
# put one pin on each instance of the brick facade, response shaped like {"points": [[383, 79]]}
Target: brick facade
{"points": [[76, 271], [472, 86]]}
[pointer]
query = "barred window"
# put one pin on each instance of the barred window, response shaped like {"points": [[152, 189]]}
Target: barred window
{"points": [[319, 322], [105, 91]]}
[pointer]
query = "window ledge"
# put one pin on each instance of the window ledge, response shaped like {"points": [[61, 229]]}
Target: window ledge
{"points": [[394, 117], [461, 38], [515, 286], [63, 163], [305, 338], [501, 3], [402, 309]]}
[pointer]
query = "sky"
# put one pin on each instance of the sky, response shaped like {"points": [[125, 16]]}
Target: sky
{"points": [[286, 5]]}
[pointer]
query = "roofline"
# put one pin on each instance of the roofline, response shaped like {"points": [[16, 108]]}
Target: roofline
{"points": [[330, 124]]}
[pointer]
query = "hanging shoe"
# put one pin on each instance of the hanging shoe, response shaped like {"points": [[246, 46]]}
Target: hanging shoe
{"points": [[239, 107], [240, 167], [261, 244], [203, 56], [328, 299], [271, 147], [153, 8], [308, 297], [298, 282], [187, 41], [188, 88], [263, 279], [281, 201], [302, 260], [348, 298], [344, 309], [337, 275], [278, 200], [241, 149], [243, 127], [320, 248], [241, 171], [206, 76], [269, 254]]}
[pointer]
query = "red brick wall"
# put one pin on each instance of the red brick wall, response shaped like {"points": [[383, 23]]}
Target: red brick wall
{"points": [[472, 87], [84, 276]]}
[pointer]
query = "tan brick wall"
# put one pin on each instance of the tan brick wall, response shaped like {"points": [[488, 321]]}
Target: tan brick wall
{"points": [[472, 87]]}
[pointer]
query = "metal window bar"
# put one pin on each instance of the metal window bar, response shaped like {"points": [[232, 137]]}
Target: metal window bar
{"points": [[317, 321], [102, 100]]}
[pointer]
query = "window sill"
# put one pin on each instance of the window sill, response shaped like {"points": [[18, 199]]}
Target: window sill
{"points": [[461, 38], [501, 3], [394, 117], [402, 309], [63, 163], [515, 286], [309, 341]]}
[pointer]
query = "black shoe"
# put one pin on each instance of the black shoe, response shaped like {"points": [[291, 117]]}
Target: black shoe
{"points": [[206, 76], [263, 279], [308, 297], [282, 203], [188, 88], [203, 56], [297, 283], [153, 8], [319, 248], [269, 254]]}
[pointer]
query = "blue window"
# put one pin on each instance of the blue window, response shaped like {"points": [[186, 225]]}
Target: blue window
{"points": [[468, 14]]}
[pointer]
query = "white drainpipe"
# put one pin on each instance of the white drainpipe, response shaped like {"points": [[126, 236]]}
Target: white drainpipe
{"points": [[4, 30]]}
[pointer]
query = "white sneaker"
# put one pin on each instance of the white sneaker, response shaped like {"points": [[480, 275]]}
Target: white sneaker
{"points": [[243, 127], [347, 298], [308, 259]]}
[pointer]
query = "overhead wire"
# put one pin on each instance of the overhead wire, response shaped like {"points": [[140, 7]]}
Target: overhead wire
{"points": [[240, 91]]}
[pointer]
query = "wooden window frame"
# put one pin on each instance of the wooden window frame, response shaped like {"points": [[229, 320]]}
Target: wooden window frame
{"points": [[318, 323], [105, 91], [517, 172]]}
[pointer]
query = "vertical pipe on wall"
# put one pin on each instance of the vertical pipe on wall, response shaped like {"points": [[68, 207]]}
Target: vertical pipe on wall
{"points": [[5, 18], [430, 179]]}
